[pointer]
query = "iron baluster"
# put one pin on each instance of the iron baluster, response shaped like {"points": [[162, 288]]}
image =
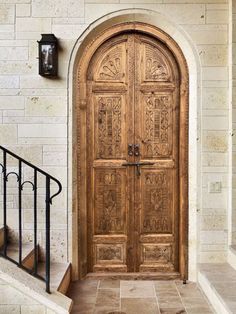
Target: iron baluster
{"points": [[5, 201], [48, 234], [35, 225], [20, 211]]}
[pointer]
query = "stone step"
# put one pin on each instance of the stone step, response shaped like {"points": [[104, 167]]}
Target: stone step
{"points": [[218, 281], [27, 254], [60, 275], [33, 288]]}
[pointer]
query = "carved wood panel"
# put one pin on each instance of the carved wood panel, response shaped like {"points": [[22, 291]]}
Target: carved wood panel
{"points": [[109, 124], [133, 89], [109, 205], [157, 126], [156, 64], [112, 65], [157, 201]]}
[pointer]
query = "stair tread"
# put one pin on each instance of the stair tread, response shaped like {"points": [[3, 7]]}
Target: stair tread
{"points": [[13, 250], [58, 271], [33, 287]]}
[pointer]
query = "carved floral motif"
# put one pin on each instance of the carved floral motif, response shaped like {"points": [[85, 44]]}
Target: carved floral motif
{"points": [[109, 203], [157, 126], [109, 127], [156, 217], [157, 254], [111, 66], [109, 253], [156, 66]]}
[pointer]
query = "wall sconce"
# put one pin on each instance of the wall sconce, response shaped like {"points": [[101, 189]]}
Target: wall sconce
{"points": [[48, 55]]}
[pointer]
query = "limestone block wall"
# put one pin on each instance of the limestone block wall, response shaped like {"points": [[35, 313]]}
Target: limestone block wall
{"points": [[234, 124], [34, 110]]}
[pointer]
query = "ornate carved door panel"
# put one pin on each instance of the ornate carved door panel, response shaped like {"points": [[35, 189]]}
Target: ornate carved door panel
{"points": [[156, 131], [132, 156]]}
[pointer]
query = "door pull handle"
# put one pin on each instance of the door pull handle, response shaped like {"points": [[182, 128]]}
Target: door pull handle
{"points": [[138, 165]]}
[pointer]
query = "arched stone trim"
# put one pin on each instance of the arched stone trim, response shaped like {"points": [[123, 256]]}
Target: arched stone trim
{"points": [[83, 51]]}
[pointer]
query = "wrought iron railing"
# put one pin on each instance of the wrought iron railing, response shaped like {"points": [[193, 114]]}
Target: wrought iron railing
{"points": [[48, 201]]}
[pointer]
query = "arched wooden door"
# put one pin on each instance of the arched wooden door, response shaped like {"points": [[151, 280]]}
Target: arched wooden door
{"points": [[133, 85]]}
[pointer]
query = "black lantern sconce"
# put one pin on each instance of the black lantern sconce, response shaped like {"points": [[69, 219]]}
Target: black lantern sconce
{"points": [[48, 55]]}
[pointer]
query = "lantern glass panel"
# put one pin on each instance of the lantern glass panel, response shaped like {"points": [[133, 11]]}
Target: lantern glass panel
{"points": [[47, 52]]}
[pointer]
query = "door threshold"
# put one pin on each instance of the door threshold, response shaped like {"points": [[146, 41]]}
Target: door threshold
{"points": [[134, 276]]}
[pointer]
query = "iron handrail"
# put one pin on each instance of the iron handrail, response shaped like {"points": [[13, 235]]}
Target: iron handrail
{"points": [[48, 201]]}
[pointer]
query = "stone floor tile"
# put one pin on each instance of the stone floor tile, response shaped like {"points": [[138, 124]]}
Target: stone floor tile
{"points": [[108, 297], [141, 305], [82, 309], [106, 310], [192, 302], [170, 302], [189, 290], [137, 289], [164, 285], [167, 293], [173, 311], [138, 297], [85, 286], [109, 284]]}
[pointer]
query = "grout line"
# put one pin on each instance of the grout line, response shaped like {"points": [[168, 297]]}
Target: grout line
{"points": [[156, 298], [180, 297], [98, 284]]}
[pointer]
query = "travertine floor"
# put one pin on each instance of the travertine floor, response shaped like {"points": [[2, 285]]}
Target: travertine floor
{"points": [[137, 297]]}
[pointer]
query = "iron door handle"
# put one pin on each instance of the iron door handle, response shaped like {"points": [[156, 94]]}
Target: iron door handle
{"points": [[137, 165]]}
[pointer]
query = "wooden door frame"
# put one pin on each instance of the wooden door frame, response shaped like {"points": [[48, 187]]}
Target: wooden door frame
{"points": [[79, 225]]}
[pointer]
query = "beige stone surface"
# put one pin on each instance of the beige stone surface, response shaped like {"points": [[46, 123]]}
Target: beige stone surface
{"points": [[23, 10], [8, 134], [46, 106], [38, 130], [7, 15]]}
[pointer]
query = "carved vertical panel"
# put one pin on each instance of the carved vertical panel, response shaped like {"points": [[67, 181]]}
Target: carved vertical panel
{"points": [[109, 126], [157, 195], [109, 204], [157, 125]]}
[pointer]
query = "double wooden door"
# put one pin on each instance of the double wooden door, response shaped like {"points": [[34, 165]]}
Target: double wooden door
{"points": [[132, 156]]}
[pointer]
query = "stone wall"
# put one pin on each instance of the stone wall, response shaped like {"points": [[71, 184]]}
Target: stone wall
{"points": [[34, 110], [234, 124]]}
